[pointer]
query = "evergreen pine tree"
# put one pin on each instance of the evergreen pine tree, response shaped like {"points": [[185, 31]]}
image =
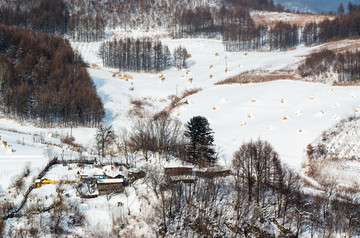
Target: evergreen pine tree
{"points": [[200, 149], [340, 9]]}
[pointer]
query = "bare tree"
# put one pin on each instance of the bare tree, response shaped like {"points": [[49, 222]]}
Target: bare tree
{"points": [[104, 137], [168, 134], [141, 139], [253, 165], [154, 179], [159, 134], [123, 144]]}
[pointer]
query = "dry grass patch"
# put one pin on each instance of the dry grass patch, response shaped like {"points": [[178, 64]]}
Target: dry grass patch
{"points": [[300, 19], [94, 66], [138, 107], [176, 101], [333, 157], [336, 83], [341, 46], [335, 171], [260, 76], [125, 77]]}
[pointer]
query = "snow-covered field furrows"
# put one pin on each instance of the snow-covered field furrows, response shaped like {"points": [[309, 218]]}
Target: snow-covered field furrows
{"points": [[340, 161], [342, 140]]}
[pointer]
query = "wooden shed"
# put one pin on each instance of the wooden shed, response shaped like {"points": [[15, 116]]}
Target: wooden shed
{"points": [[212, 173], [108, 186], [182, 178], [170, 171]]}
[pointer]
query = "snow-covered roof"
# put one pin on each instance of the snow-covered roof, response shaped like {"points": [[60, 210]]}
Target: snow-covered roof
{"points": [[91, 172], [113, 173], [110, 180], [176, 164]]}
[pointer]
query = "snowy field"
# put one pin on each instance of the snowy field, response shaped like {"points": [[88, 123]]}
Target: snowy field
{"points": [[28, 145], [289, 114]]}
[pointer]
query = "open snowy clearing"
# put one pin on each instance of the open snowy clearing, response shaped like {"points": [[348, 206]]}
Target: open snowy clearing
{"points": [[289, 114]]}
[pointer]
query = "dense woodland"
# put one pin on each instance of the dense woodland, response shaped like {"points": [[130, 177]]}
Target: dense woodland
{"points": [[87, 20], [43, 78], [141, 55], [45, 16], [342, 27], [346, 65]]}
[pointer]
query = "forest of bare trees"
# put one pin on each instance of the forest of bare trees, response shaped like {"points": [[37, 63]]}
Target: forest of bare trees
{"points": [[87, 20], [43, 78], [141, 55], [46, 16], [346, 65], [261, 194]]}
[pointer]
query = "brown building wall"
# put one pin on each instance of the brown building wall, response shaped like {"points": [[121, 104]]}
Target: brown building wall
{"points": [[107, 188], [178, 171]]}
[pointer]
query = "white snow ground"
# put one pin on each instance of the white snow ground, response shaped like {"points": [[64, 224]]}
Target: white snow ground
{"points": [[289, 114], [309, 108], [235, 120]]}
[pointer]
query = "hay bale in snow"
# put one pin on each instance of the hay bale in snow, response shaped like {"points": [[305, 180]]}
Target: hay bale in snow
{"points": [[298, 113], [320, 114], [286, 118], [243, 124]]}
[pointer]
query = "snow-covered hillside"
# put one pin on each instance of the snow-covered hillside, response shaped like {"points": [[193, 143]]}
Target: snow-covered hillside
{"points": [[289, 114], [237, 113], [28, 145]]}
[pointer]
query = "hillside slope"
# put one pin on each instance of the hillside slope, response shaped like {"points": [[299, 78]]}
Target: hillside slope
{"points": [[317, 6]]}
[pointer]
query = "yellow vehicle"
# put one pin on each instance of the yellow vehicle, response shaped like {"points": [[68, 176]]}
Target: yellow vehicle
{"points": [[39, 182]]}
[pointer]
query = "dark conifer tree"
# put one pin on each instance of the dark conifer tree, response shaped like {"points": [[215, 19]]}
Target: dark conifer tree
{"points": [[340, 9], [200, 148]]}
